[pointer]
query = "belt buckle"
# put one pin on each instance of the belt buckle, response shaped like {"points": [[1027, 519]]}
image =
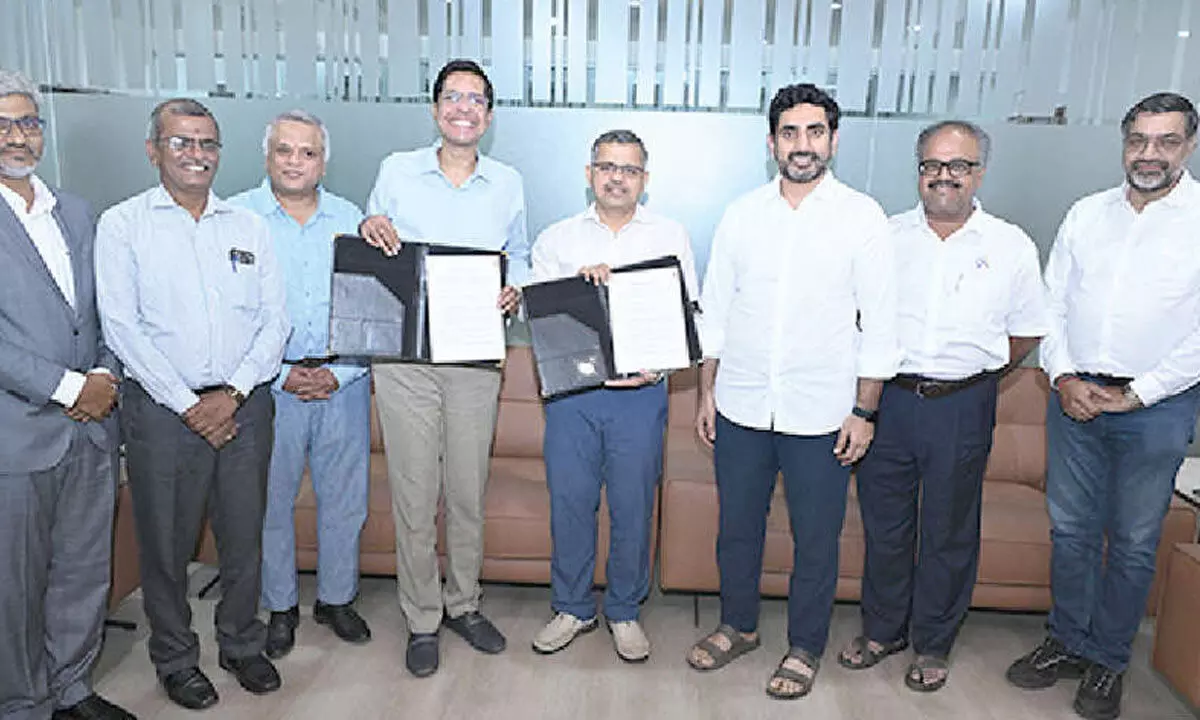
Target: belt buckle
{"points": [[921, 388]]}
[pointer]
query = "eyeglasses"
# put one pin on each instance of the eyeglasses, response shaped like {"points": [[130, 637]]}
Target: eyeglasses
{"points": [[178, 144], [454, 97], [958, 167], [28, 125], [1169, 143], [629, 171]]}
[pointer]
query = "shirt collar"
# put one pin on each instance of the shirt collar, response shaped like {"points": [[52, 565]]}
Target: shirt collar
{"points": [[974, 224], [826, 189], [427, 162], [639, 216], [44, 200], [160, 198], [270, 203], [1183, 195]]}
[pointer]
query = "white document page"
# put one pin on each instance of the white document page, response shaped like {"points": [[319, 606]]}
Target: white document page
{"points": [[464, 323], [648, 328]]}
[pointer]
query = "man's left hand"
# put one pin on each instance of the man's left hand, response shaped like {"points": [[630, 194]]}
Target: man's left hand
{"points": [[509, 300], [213, 413], [853, 440], [1120, 401], [320, 385]]}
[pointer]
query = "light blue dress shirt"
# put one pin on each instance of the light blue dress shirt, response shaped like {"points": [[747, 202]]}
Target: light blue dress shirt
{"points": [[188, 303], [487, 211], [305, 255]]}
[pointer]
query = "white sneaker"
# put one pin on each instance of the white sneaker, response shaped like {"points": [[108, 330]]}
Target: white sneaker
{"points": [[560, 631], [630, 640]]}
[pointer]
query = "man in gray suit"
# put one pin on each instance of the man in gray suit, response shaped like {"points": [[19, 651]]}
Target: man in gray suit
{"points": [[58, 445]]}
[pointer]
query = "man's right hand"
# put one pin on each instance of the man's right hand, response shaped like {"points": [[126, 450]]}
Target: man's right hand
{"points": [[1081, 400], [706, 419], [213, 418], [379, 232], [96, 399]]}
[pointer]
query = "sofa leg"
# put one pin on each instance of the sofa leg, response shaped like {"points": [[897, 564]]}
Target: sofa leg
{"points": [[121, 624], [696, 610]]}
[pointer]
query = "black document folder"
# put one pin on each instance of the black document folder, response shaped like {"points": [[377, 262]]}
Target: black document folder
{"points": [[572, 334], [379, 304]]}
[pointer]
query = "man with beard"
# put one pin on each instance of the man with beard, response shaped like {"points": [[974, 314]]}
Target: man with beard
{"points": [[791, 381], [1123, 355], [611, 437], [322, 408], [59, 439], [438, 420], [193, 305], [971, 306]]}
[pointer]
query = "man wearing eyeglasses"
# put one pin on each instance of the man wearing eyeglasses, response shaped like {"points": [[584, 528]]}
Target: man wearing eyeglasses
{"points": [[610, 437], [192, 303], [438, 420], [970, 306], [57, 447], [1123, 356]]}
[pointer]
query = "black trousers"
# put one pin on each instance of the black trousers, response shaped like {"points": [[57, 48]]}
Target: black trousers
{"points": [[176, 477], [920, 489]]}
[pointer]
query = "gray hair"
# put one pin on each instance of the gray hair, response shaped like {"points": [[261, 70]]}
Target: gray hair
{"points": [[298, 116], [981, 137], [620, 137], [15, 83], [186, 107]]}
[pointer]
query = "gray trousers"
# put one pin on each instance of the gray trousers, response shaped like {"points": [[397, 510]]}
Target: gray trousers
{"points": [[437, 424], [174, 476], [55, 553]]}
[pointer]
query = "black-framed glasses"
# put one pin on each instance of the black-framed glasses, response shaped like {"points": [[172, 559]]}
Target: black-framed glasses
{"points": [[629, 171], [958, 167], [28, 125], [1138, 142], [178, 144]]}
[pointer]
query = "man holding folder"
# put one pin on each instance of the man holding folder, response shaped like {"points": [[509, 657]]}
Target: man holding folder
{"points": [[611, 436]]}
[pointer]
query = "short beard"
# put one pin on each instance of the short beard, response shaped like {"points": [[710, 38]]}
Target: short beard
{"points": [[816, 171], [16, 172], [1167, 181]]}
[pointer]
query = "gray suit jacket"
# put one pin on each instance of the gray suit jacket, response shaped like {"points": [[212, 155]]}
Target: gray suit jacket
{"points": [[41, 336]]}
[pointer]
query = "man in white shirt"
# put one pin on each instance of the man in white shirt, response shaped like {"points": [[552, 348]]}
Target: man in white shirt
{"points": [[612, 436], [58, 439], [799, 334], [1123, 355], [971, 305]]}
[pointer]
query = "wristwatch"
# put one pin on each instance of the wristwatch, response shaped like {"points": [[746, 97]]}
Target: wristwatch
{"points": [[238, 396], [868, 415]]}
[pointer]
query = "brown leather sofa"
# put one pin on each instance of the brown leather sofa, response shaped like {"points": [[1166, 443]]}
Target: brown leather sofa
{"points": [[125, 568], [517, 504], [1014, 563]]}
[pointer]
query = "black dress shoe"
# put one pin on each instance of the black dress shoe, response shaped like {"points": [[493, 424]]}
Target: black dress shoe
{"points": [[281, 633], [478, 631], [1045, 665], [421, 657], [1099, 694], [254, 673], [190, 689], [93, 707], [345, 621]]}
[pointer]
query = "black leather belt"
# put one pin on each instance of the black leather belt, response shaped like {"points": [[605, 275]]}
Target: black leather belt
{"points": [[930, 388], [312, 362], [208, 389]]}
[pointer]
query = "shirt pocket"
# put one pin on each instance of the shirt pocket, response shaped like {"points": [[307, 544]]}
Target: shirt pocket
{"points": [[977, 296]]}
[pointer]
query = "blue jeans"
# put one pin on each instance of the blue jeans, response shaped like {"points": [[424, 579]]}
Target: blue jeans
{"points": [[1111, 478], [748, 463], [334, 437], [610, 438]]}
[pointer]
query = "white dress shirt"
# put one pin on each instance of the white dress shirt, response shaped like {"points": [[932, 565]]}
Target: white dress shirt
{"points": [[1124, 291], [960, 299], [188, 303], [583, 239], [781, 296], [47, 237]]}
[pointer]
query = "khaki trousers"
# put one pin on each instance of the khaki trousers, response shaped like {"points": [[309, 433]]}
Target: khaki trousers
{"points": [[437, 424]]}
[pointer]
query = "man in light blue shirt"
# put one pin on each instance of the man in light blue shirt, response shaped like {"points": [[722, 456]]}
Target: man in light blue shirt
{"points": [[192, 304], [435, 415], [322, 408]]}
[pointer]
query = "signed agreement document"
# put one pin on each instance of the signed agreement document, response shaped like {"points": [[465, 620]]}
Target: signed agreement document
{"points": [[464, 323], [648, 321]]}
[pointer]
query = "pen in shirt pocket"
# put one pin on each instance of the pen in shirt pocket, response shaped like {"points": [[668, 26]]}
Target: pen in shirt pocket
{"points": [[233, 259]]}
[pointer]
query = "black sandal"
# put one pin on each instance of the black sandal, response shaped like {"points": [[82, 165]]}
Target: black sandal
{"points": [[867, 657], [915, 677], [738, 646], [804, 682]]}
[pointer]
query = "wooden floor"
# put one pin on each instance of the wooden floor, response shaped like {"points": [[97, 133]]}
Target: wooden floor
{"points": [[325, 679]]}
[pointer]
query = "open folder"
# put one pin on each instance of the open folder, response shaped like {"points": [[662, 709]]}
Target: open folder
{"points": [[430, 303], [584, 334]]}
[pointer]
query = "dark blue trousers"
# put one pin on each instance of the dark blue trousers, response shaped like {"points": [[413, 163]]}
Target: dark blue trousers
{"points": [[748, 463], [919, 488]]}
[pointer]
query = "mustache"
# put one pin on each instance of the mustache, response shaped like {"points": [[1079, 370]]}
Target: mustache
{"points": [[16, 146], [1143, 165], [945, 183], [797, 155]]}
